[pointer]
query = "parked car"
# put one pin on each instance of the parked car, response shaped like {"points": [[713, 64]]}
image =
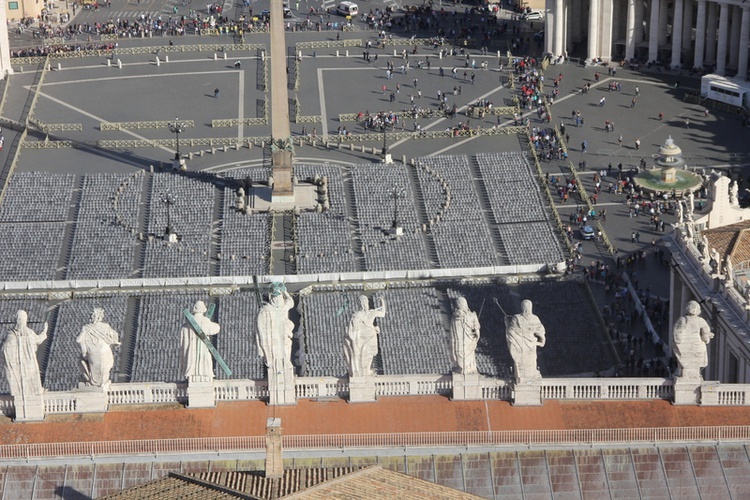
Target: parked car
{"points": [[587, 233], [534, 15]]}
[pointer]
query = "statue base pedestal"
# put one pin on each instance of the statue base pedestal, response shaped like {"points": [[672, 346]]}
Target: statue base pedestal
{"points": [[396, 231], [527, 395], [281, 389], [201, 395], [388, 158], [92, 399], [29, 408], [466, 387], [687, 392], [362, 390]]}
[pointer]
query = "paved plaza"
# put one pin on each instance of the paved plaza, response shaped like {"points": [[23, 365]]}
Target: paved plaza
{"points": [[85, 203]]}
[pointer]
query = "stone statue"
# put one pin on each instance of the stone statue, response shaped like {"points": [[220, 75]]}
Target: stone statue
{"points": [[690, 335], [275, 330], [524, 333], [715, 261], [690, 230], [705, 249], [679, 213], [690, 204], [464, 338], [361, 342], [96, 340], [734, 194], [728, 271], [20, 362], [196, 362]]}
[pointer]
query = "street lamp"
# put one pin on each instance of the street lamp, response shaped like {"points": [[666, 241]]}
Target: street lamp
{"points": [[177, 127], [397, 192], [169, 200]]}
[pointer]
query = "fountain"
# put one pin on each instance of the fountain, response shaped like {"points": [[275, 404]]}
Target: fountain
{"points": [[671, 174]]}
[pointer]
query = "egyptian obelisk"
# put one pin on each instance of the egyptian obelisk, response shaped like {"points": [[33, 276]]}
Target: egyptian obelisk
{"points": [[5, 67], [281, 149]]}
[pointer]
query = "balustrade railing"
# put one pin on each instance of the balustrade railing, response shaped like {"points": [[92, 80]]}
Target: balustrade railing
{"points": [[526, 438]]}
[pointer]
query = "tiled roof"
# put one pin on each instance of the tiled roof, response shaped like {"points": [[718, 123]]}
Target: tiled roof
{"points": [[256, 485], [177, 486], [732, 240], [371, 482], [376, 482]]}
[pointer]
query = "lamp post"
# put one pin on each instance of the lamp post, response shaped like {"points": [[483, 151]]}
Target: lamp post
{"points": [[397, 192], [169, 200], [177, 127]]}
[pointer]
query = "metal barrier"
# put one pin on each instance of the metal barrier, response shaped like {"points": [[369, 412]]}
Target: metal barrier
{"points": [[107, 126], [73, 54], [329, 44], [236, 122]]}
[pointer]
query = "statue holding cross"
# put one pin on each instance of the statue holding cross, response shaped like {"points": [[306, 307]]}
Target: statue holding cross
{"points": [[196, 350]]}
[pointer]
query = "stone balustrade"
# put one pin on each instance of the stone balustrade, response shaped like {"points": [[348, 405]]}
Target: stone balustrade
{"points": [[578, 389]]}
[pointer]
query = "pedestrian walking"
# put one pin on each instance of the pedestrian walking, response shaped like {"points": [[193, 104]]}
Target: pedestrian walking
{"points": [[637, 144], [584, 146], [602, 101], [633, 102], [637, 91], [216, 93], [619, 139], [687, 122]]}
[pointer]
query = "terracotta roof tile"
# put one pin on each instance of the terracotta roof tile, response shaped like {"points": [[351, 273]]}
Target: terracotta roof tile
{"points": [[376, 482], [176, 487]]}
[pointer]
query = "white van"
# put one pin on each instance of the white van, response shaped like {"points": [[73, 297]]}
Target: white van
{"points": [[348, 9]]}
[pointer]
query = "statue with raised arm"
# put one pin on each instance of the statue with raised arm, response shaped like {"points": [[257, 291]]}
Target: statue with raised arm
{"points": [[524, 333], [361, 341], [96, 340], [464, 338], [19, 358], [275, 330], [734, 199], [690, 336], [196, 361]]}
